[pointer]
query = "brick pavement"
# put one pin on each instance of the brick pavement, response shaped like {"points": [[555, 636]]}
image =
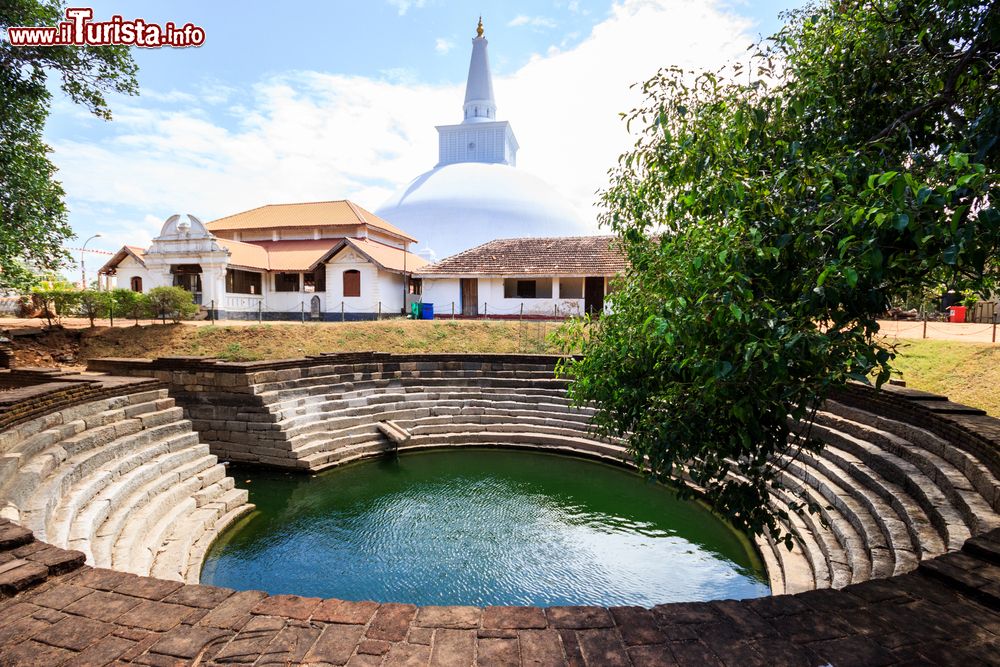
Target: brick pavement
{"points": [[56, 611]]}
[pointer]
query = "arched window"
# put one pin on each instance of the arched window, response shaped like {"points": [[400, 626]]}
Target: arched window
{"points": [[352, 282], [136, 284]]}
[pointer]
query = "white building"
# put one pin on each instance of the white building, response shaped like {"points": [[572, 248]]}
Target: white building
{"points": [[475, 193], [550, 277], [328, 260]]}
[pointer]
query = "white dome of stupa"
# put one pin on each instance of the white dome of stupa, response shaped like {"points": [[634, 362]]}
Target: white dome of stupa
{"points": [[476, 193], [455, 207]]}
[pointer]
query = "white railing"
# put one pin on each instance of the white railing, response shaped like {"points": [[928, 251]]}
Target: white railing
{"points": [[243, 301]]}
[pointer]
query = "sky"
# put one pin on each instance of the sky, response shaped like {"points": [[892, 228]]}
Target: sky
{"points": [[313, 101]]}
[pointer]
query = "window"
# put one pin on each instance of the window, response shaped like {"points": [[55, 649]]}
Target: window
{"points": [[320, 274], [136, 284], [352, 282], [308, 282], [242, 282], [416, 286], [571, 288], [527, 288], [286, 282]]}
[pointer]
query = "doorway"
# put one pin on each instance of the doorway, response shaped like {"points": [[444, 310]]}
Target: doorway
{"points": [[593, 295], [470, 296]]}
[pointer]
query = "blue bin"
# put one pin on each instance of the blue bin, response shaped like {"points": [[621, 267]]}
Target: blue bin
{"points": [[427, 311]]}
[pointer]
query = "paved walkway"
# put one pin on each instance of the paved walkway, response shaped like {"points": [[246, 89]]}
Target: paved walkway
{"points": [[57, 612]]}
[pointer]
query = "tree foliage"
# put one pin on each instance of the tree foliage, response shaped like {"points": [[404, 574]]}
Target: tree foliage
{"points": [[132, 305], [770, 213], [33, 225], [173, 302]]}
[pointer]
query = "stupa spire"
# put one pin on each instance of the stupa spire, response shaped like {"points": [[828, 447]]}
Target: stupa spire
{"points": [[480, 106]]}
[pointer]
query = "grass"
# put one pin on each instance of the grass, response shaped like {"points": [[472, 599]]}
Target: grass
{"points": [[285, 341], [966, 373]]}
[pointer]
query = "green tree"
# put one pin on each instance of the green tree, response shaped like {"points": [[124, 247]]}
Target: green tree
{"points": [[127, 303], [93, 304], [770, 213], [56, 298], [33, 225], [173, 302]]}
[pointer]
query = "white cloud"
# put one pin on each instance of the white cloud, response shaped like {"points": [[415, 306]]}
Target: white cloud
{"points": [[443, 46], [308, 136], [532, 21], [403, 6]]}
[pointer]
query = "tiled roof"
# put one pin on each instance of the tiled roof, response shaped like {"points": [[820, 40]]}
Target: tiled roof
{"points": [[295, 255], [310, 214], [245, 255], [552, 256], [385, 257]]}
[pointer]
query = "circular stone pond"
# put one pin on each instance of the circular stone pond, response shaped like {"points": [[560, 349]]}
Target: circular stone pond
{"points": [[481, 527]]}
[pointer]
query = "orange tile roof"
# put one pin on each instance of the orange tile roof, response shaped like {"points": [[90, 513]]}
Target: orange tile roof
{"points": [[385, 257], [309, 214], [553, 256], [245, 255], [297, 255]]}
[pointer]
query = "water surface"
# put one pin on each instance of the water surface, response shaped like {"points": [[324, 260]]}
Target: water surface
{"points": [[481, 527]]}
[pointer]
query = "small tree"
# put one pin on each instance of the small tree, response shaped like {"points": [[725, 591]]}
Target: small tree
{"points": [[93, 304], [173, 302], [55, 299], [130, 304]]}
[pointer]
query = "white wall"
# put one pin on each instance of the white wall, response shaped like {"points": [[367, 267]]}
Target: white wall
{"points": [[371, 286], [443, 291]]}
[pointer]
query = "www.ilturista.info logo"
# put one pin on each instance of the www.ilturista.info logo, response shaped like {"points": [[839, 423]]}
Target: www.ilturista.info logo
{"points": [[79, 30]]}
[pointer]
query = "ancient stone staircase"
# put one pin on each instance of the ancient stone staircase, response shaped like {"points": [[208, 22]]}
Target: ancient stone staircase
{"points": [[123, 479]]}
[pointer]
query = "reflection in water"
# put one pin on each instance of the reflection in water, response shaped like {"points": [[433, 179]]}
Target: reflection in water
{"points": [[481, 526]]}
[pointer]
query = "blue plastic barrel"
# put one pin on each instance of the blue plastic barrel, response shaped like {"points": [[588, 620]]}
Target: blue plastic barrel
{"points": [[427, 311]]}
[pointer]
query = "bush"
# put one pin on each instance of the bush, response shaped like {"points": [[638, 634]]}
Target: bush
{"points": [[55, 299], [173, 302], [93, 304], [132, 305]]}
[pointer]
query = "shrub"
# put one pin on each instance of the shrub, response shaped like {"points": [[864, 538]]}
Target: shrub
{"points": [[132, 305], [173, 302], [93, 304]]}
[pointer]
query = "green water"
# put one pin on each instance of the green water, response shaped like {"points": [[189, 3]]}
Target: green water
{"points": [[481, 527]]}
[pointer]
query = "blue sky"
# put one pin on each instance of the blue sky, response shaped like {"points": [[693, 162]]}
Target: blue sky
{"points": [[329, 100]]}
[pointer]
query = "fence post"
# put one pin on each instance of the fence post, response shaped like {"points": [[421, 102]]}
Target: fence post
{"points": [[342, 311], [994, 327], [211, 311], [380, 310], [521, 316], [484, 310], [260, 312], [555, 311], [925, 324], [302, 304], [111, 307], [452, 310]]}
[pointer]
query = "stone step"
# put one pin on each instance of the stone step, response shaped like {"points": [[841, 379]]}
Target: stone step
{"points": [[836, 561], [128, 492], [171, 559], [198, 551], [972, 463], [123, 529], [901, 484], [866, 542], [952, 479], [49, 476], [363, 379], [124, 471]]}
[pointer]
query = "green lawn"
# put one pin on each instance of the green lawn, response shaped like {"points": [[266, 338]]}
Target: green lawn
{"points": [[966, 373]]}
